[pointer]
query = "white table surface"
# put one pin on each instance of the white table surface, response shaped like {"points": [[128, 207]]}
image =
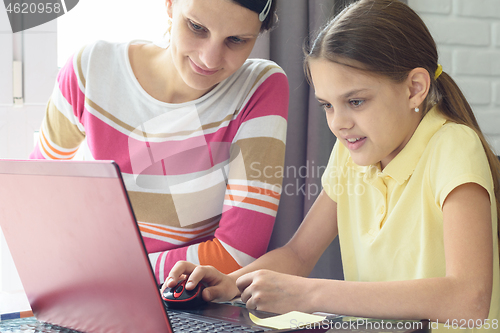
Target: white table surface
{"points": [[15, 301]]}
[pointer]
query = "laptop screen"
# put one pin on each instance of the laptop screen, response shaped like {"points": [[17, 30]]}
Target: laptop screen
{"points": [[77, 247]]}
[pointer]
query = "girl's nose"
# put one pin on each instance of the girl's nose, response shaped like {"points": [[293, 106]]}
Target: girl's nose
{"points": [[339, 120]]}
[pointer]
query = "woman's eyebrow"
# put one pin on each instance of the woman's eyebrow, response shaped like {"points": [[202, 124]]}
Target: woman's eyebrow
{"points": [[193, 17], [248, 35]]}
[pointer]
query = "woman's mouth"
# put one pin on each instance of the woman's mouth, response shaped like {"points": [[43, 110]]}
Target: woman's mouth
{"points": [[200, 70]]}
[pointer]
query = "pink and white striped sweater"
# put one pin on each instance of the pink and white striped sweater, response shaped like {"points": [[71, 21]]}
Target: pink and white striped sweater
{"points": [[203, 177]]}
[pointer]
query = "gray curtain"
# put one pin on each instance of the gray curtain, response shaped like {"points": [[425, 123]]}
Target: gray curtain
{"points": [[309, 141]]}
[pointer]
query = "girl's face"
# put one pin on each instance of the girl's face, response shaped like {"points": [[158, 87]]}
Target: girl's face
{"points": [[210, 39], [370, 115]]}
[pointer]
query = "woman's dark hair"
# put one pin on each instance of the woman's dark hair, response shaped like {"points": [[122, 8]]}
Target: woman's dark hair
{"points": [[258, 6], [386, 37]]}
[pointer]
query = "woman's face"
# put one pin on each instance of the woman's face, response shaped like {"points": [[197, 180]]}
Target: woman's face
{"points": [[370, 115], [210, 39]]}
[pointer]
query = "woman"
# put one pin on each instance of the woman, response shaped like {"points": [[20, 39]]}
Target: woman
{"points": [[411, 188], [191, 122]]}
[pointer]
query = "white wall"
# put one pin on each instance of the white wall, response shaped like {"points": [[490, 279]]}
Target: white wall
{"points": [[36, 48], [467, 33]]}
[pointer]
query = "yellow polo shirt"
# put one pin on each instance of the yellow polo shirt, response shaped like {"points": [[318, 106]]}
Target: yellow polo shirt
{"points": [[390, 222]]}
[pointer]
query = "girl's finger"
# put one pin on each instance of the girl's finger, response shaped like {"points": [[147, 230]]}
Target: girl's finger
{"points": [[244, 281]]}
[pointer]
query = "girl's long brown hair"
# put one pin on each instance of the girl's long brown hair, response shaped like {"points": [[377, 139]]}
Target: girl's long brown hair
{"points": [[388, 38]]}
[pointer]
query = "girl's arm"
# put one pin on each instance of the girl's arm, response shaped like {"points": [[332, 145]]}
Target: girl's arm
{"points": [[297, 257], [301, 253], [463, 294]]}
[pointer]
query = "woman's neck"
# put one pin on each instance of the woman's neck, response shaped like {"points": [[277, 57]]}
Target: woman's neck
{"points": [[155, 70]]}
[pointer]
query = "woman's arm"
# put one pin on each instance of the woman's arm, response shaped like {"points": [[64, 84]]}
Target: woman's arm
{"points": [[463, 294], [249, 154], [61, 132]]}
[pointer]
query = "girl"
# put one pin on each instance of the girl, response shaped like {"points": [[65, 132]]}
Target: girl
{"points": [[184, 119], [411, 188]]}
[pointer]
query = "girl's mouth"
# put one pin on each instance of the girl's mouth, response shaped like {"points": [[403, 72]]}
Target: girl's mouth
{"points": [[355, 143]]}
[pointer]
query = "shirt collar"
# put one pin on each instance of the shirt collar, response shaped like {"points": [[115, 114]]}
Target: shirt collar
{"points": [[403, 165]]}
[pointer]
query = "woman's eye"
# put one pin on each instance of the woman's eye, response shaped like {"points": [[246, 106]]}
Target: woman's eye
{"points": [[236, 40], [196, 27], [356, 102]]}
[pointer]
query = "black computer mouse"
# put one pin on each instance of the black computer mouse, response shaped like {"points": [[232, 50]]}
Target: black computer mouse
{"points": [[179, 297]]}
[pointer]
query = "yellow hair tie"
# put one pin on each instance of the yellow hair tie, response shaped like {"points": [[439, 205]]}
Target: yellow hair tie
{"points": [[438, 72]]}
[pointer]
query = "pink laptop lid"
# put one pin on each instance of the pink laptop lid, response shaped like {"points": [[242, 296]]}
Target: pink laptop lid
{"points": [[77, 247]]}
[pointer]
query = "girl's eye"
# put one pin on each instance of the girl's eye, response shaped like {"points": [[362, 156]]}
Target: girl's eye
{"points": [[356, 102], [326, 106]]}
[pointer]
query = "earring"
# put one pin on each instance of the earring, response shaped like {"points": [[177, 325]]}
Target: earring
{"points": [[417, 109]]}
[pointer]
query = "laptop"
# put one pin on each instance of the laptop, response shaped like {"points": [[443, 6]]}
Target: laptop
{"points": [[79, 253]]}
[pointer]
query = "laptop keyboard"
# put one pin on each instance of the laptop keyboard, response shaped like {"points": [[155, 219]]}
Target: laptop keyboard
{"points": [[187, 324], [180, 324], [30, 325]]}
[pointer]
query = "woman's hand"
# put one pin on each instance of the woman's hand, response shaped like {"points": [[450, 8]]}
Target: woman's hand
{"points": [[219, 287], [275, 292]]}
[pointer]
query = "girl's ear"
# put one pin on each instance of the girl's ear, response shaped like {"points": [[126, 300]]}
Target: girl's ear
{"points": [[169, 4], [419, 83]]}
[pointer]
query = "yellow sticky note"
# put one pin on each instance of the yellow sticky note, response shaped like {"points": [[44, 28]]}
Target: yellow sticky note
{"points": [[293, 319]]}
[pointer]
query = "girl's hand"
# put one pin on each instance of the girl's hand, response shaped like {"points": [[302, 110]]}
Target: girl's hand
{"points": [[274, 292], [219, 287]]}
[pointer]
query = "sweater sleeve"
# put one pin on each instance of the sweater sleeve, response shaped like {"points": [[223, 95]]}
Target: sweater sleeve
{"points": [[61, 132], [253, 186]]}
